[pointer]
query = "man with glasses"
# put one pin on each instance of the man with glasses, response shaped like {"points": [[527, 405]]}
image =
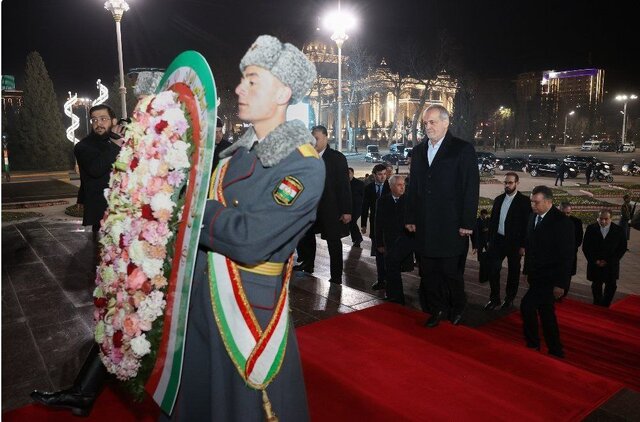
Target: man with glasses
{"points": [[507, 232]]}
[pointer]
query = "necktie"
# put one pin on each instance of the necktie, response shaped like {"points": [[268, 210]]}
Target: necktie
{"points": [[378, 190], [538, 220]]}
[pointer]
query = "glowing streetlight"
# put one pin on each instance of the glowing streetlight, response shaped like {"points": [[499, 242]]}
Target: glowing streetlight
{"points": [[626, 99], [338, 23], [117, 9], [566, 117]]}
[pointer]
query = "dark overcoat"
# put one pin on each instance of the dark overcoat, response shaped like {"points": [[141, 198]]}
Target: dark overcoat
{"points": [[611, 248], [443, 197], [336, 197]]}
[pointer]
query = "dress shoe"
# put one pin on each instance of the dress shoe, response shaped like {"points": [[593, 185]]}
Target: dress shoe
{"points": [[557, 353], [533, 346], [304, 268], [491, 305], [507, 304], [378, 285], [79, 404], [457, 318], [434, 320]]}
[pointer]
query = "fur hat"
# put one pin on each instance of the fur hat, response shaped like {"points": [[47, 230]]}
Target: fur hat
{"points": [[284, 61]]}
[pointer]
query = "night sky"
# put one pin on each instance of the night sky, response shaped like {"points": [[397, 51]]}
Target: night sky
{"points": [[493, 39]]}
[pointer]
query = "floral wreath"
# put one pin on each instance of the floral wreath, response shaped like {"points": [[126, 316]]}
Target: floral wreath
{"points": [[144, 208]]}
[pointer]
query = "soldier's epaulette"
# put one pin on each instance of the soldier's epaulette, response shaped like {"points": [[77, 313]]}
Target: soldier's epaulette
{"points": [[307, 150]]}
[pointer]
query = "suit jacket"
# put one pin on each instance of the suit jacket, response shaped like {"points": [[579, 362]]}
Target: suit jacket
{"points": [[443, 197], [515, 223], [336, 197], [480, 236], [369, 206], [389, 224], [357, 194], [577, 225], [549, 249], [612, 248], [95, 156]]}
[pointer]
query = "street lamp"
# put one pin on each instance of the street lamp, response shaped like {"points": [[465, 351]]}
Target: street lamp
{"points": [[117, 9], [338, 23], [566, 117], [626, 99]]}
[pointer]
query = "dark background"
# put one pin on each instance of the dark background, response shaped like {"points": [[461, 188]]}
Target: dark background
{"points": [[493, 39]]}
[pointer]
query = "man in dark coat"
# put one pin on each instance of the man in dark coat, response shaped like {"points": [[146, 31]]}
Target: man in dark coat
{"points": [[507, 231], [604, 246], [565, 207], [372, 192], [588, 171], [561, 167], [96, 154], [392, 238], [479, 243], [221, 143], [357, 194], [547, 264], [441, 209], [334, 211]]}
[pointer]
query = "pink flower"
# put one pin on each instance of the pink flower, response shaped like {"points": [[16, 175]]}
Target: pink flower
{"points": [[175, 178], [131, 325], [155, 185], [116, 355], [135, 279]]}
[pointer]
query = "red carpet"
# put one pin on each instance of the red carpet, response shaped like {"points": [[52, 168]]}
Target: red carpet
{"points": [[600, 340], [111, 406], [381, 364]]}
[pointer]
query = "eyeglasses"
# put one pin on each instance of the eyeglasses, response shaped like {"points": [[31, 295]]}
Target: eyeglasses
{"points": [[99, 119], [509, 183]]}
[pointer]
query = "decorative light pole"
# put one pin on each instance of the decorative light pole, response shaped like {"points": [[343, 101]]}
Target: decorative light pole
{"points": [[103, 94], [626, 99], [566, 117], [75, 120], [338, 23], [117, 9]]}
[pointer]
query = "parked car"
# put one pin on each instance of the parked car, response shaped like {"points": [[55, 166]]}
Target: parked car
{"points": [[397, 148], [590, 145], [547, 167], [395, 159], [580, 162], [628, 147], [490, 155], [373, 157], [511, 163], [607, 147], [407, 151]]}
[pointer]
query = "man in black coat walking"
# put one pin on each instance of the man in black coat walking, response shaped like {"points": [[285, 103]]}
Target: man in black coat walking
{"points": [[565, 208], [547, 264], [479, 243], [357, 194], [334, 210], [561, 167], [372, 192], [604, 246], [221, 143], [441, 209], [392, 238], [507, 231]]}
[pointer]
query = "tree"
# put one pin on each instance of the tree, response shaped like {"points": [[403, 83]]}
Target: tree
{"points": [[398, 81], [465, 115], [41, 143]]}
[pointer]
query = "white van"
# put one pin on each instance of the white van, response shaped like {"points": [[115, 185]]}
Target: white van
{"points": [[591, 145]]}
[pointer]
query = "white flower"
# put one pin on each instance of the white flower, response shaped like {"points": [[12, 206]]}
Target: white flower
{"points": [[152, 267], [164, 100], [136, 252], [162, 201], [153, 166], [175, 118], [152, 307], [140, 345], [177, 156]]}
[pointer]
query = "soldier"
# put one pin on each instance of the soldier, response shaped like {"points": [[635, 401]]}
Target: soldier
{"points": [[264, 197]]}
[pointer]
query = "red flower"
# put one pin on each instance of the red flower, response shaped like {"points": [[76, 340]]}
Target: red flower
{"points": [[121, 242], [161, 126], [131, 267], [100, 302], [147, 212], [117, 339], [146, 287], [134, 163]]}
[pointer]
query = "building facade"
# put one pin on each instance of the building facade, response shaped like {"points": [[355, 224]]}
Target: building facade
{"points": [[373, 97], [551, 101]]}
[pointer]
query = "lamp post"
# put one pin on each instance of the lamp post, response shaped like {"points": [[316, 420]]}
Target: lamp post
{"points": [[566, 117], [339, 22], [117, 9], [626, 99]]}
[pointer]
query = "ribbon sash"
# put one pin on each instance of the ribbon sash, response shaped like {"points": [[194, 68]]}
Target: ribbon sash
{"points": [[257, 354]]}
